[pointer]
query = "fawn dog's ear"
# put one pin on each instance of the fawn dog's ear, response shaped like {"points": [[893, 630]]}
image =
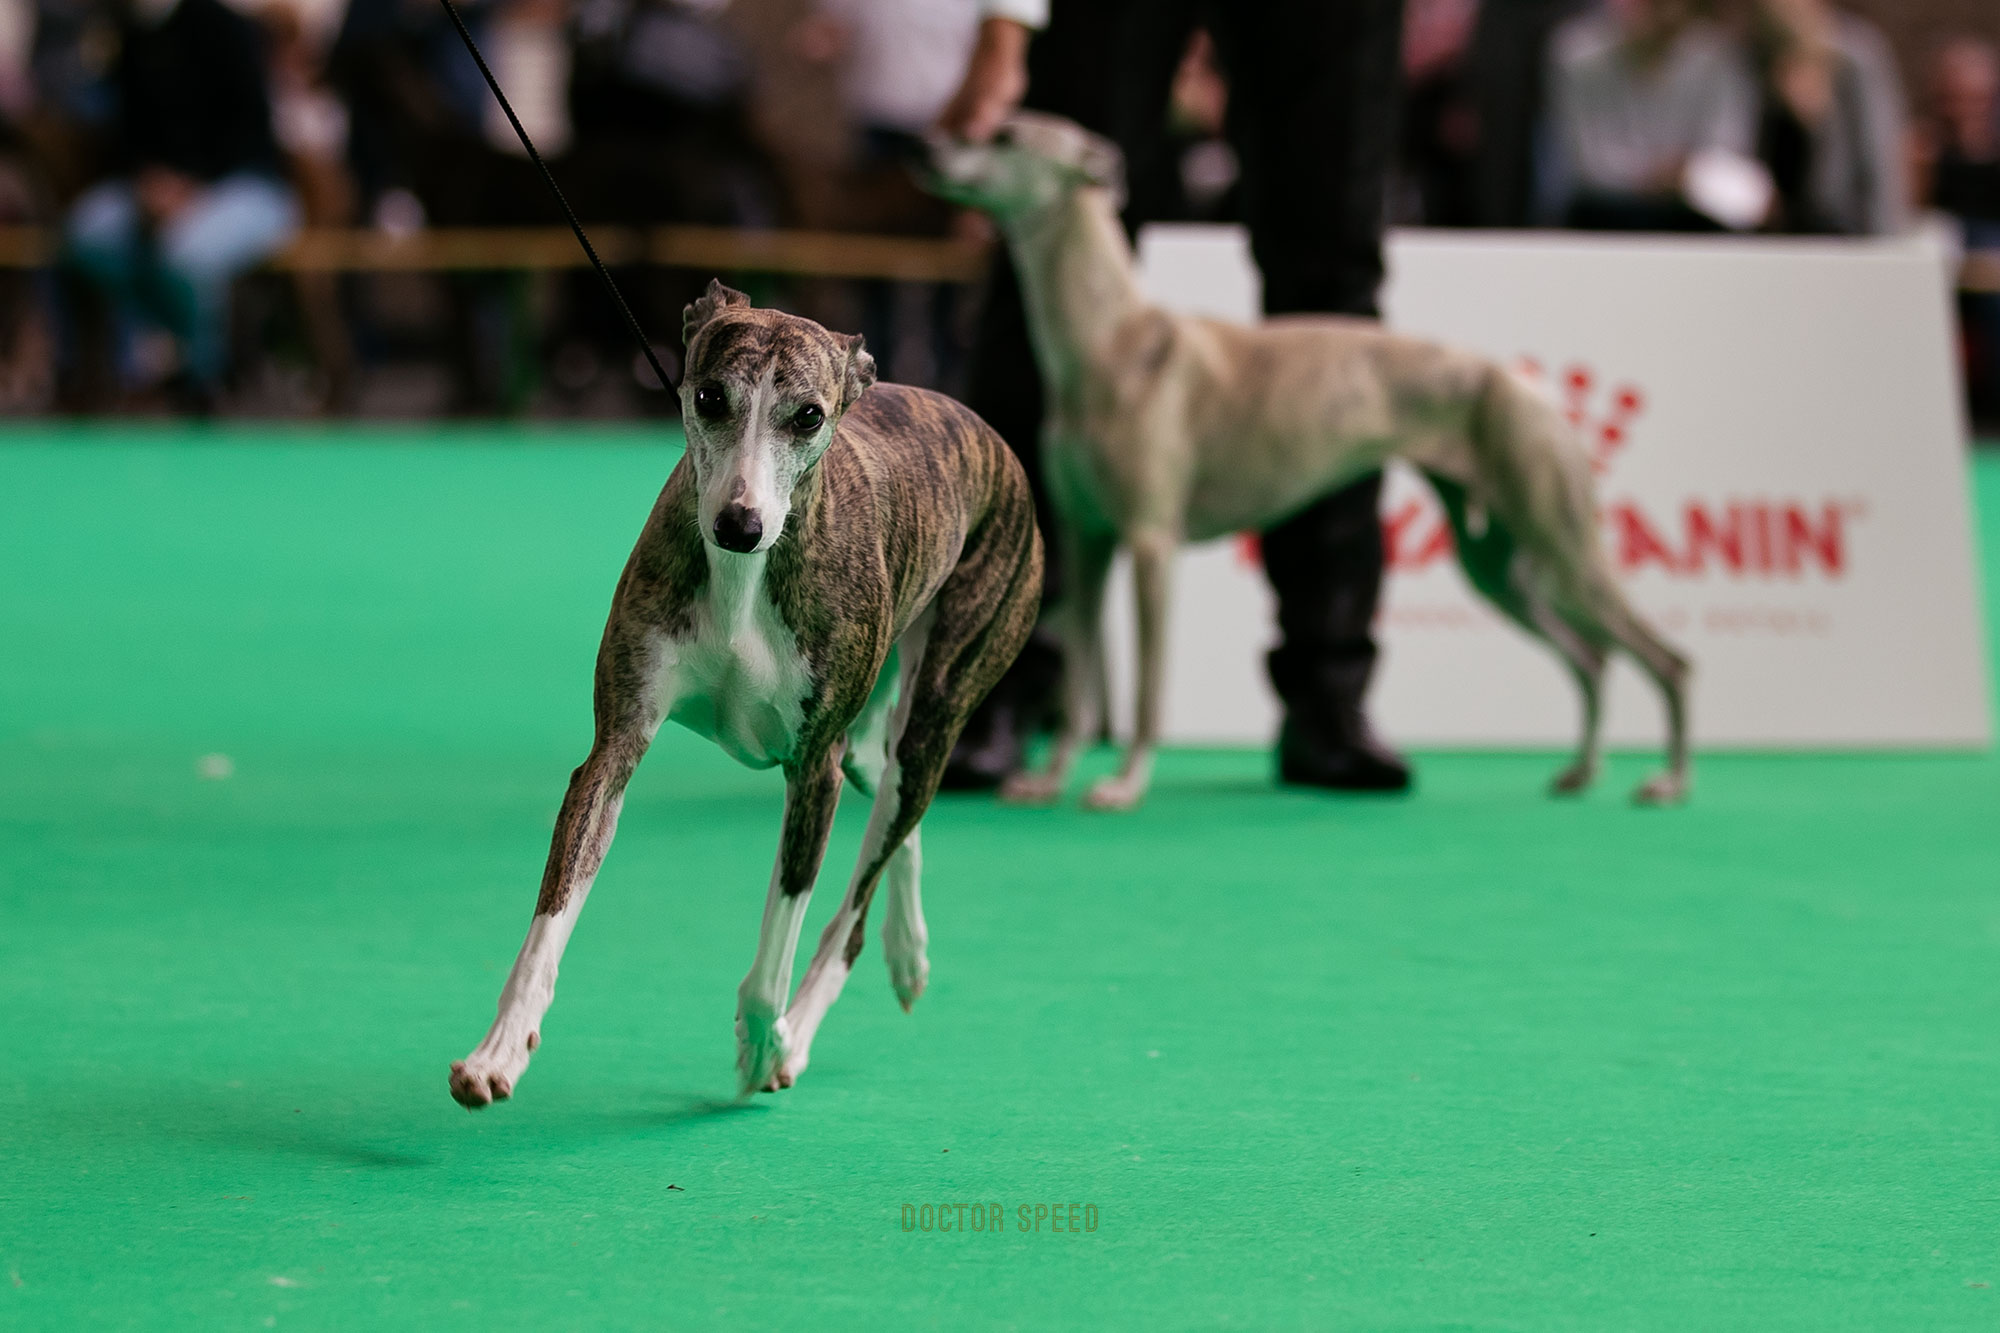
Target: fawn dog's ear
{"points": [[712, 303], [860, 370]]}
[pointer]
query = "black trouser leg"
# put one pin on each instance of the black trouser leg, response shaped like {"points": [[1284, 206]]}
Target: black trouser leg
{"points": [[1326, 566], [1315, 88]]}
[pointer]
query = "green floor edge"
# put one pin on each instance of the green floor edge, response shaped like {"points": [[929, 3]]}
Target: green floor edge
{"points": [[1471, 1060]]}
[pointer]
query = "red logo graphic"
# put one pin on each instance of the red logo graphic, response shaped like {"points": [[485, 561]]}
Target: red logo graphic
{"points": [[1605, 434]]}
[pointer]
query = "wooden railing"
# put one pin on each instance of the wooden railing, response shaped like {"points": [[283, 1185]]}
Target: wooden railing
{"points": [[823, 254], [720, 249]]}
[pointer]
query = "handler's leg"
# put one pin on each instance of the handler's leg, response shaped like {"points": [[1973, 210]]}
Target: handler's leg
{"points": [[1326, 566], [1313, 117], [234, 225]]}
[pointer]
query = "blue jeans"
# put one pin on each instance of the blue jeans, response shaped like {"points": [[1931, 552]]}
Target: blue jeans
{"points": [[180, 275]]}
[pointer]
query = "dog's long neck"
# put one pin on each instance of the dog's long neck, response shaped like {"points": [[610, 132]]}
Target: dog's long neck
{"points": [[1077, 281]]}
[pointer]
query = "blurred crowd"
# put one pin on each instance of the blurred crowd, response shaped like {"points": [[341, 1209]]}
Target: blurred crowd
{"points": [[175, 145]]}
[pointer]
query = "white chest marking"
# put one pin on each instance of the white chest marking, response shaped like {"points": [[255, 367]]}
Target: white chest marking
{"points": [[739, 679]]}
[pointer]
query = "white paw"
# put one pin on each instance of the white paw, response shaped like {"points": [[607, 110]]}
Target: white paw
{"points": [[909, 970], [1115, 794], [788, 1073], [486, 1077], [764, 1060], [1665, 789], [1031, 789], [1574, 780]]}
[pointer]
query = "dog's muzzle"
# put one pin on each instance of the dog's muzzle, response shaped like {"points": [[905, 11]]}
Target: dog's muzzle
{"points": [[738, 528]]}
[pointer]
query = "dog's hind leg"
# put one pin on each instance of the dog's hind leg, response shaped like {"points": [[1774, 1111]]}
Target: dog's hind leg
{"points": [[868, 736], [905, 937], [1500, 571], [629, 705], [1599, 601], [903, 932], [977, 624], [1585, 660], [1080, 616], [831, 962]]}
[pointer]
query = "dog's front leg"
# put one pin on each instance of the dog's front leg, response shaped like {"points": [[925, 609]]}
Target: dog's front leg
{"points": [[812, 791], [1152, 591], [1085, 569], [583, 834], [629, 701]]}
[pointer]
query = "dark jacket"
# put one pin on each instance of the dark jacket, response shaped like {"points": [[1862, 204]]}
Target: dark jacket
{"points": [[192, 94]]}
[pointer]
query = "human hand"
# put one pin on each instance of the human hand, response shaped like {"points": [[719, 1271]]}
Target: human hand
{"points": [[996, 78], [819, 39], [164, 193]]}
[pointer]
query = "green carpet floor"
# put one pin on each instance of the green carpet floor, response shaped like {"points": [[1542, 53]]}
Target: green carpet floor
{"points": [[1469, 1060]]}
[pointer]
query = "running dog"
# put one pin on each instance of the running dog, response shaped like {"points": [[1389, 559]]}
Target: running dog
{"points": [[1165, 428], [832, 578]]}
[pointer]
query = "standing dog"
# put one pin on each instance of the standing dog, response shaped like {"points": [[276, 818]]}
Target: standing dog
{"points": [[1164, 428], [832, 578]]}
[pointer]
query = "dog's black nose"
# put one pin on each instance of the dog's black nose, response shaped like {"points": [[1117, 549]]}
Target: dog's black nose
{"points": [[738, 528]]}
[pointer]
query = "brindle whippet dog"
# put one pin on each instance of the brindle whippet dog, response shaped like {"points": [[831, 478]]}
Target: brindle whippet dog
{"points": [[833, 577], [1164, 428]]}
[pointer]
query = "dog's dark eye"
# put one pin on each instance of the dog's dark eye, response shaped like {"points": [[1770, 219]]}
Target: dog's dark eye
{"points": [[1002, 137], [711, 402], [809, 418]]}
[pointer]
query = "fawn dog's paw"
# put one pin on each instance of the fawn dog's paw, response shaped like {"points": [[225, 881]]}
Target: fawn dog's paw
{"points": [[1031, 789], [1115, 794], [1574, 780], [1664, 789]]}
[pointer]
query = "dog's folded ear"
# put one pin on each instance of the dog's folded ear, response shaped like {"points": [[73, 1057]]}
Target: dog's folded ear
{"points": [[860, 370], [712, 303]]}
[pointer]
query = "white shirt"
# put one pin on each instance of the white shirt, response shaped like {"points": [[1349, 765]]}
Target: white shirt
{"points": [[907, 57], [1027, 13], [1617, 127]]}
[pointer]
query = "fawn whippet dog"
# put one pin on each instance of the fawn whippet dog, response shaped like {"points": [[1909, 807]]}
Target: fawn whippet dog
{"points": [[832, 578], [1164, 428]]}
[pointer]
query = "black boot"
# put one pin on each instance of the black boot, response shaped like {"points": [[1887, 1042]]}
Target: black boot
{"points": [[993, 745], [1345, 757], [1326, 566]]}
